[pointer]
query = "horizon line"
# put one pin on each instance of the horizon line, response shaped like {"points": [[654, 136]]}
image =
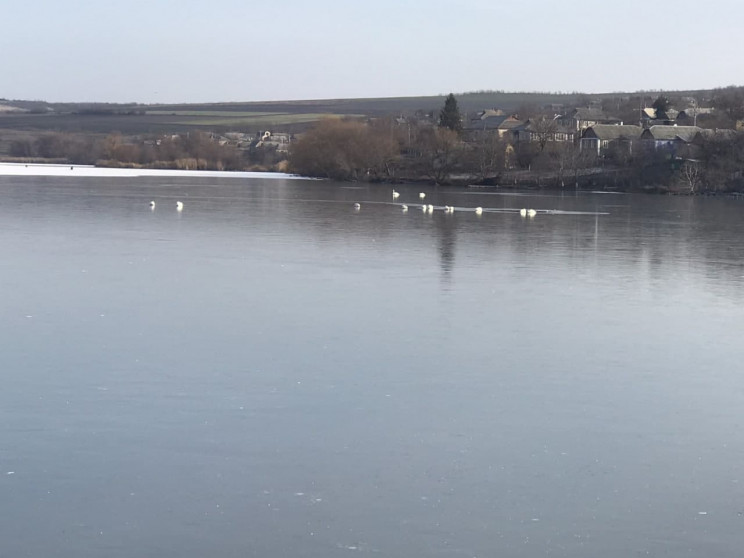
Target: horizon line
{"points": [[393, 97]]}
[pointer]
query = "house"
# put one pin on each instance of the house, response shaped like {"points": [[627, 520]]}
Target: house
{"points": [[280, 141], [652, 117], [688, 116], [239, 139], [580, 118], [601, 137], [491, 121], [675, 139], [483, 114], [542, 131]]}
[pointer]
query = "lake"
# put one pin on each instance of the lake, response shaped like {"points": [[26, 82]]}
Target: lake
{"points": [[272, 373]]}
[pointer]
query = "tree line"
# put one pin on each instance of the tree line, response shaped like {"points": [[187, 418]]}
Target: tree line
{"points": [[192, 151], [390, 149]]}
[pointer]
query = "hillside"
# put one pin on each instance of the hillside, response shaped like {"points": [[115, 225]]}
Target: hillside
{"points": [[254, 116]]}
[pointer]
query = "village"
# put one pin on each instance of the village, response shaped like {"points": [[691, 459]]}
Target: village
{"points": [[597, 132], [646, 144]]}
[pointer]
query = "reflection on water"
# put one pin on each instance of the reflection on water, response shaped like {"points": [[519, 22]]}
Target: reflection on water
{"points": [[270, 373]]}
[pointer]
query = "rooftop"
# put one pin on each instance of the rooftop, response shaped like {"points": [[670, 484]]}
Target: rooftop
{"points": [[609, 132]]}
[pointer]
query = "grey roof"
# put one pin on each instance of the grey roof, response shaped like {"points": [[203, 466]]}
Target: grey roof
{"points": [[609, 132], [555, 128], [510, 123], [490, 112], [501, 122], [671, 133], [486, 122]]}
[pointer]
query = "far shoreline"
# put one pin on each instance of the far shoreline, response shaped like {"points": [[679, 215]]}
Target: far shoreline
{"points": [[66, 170]]}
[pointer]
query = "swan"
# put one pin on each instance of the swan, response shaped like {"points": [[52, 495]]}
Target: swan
{"points": [[404, 208], [421, 195], [423, 208], [357, 206], [396, 195], [430, 208], [179, 206], [523, 212], [531, 212], [152, 204], [478, 210]]}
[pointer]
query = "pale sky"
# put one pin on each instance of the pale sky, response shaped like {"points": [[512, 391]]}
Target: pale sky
{"points": [[246, 50]]}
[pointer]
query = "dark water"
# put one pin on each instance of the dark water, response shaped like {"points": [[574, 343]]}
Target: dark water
{"points": [[269, 373]]}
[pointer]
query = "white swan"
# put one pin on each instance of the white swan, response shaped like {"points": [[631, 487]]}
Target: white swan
{"points": [[179, 206], [531, 212], [357, 206], [404, 208], [421, 195], [478, 210], [430, 208], [152, 204], [423, 208], [523, 212], [396, 195]]}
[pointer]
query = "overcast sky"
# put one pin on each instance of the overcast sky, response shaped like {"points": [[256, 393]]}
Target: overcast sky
{"points": [[246, 50]]}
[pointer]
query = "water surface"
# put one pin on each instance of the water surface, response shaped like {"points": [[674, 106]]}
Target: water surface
{"points": [[270, 373]]}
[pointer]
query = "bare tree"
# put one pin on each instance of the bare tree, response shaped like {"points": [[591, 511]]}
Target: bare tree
{"points": [[543, 130], [346, 150], [487, 156], [730, 100], [692, 175], [571, 159], [439, 151]]}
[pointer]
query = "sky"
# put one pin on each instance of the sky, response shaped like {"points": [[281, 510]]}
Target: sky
{"points": [[245, 50]]}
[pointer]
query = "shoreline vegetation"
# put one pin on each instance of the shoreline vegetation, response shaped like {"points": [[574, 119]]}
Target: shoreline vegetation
{"points": [[683, 144]]}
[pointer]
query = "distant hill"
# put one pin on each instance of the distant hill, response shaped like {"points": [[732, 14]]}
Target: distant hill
{"points": [[292, 116]]}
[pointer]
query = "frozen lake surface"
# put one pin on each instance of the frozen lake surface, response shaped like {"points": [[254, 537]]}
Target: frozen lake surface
{"points": [[77, 171], [271, 373]]}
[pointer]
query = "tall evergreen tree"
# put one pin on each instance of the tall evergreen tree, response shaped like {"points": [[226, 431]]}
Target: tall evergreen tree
{"points": [[661, 104], [449, 116]]}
